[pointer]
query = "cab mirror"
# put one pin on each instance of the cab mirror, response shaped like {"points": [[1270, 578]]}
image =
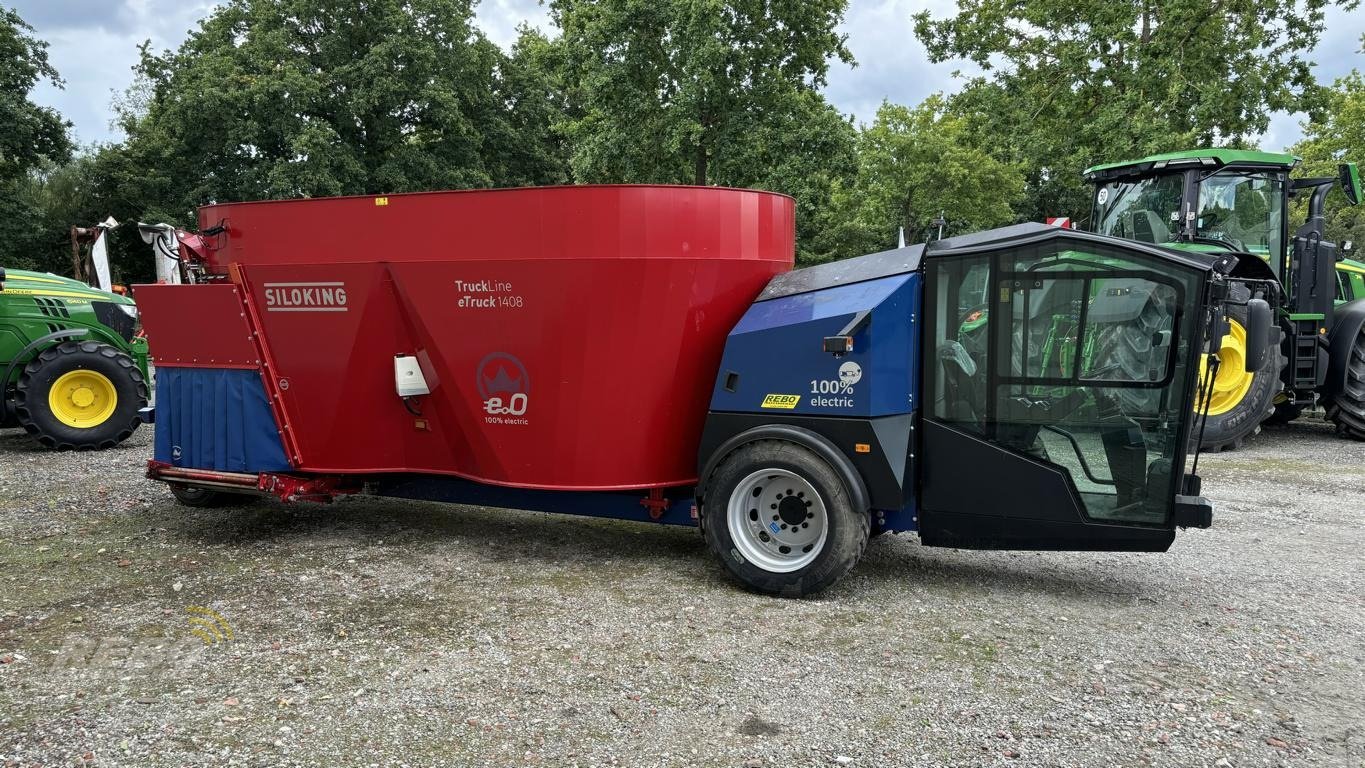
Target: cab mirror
{"points": [[1258, 334], [1350, 182]]}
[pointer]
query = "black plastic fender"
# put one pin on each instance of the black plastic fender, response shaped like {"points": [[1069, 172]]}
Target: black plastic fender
{"points": [[817, 443], [1252, 267], [1347, 321]]}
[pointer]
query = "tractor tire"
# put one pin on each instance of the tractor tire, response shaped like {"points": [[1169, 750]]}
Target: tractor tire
{"points": [[80, 396], [781, 520], [1347, 409], [1235, 418]]}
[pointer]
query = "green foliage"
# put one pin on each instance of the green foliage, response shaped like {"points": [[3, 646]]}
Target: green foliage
{"points": [[804, 150], [1338, 137], [291, 98], [1068, 84], [32, 137], [665, 89], [912, 165], [706, 92]]}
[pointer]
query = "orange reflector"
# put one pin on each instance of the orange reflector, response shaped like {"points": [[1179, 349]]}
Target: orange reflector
{"points": [[862, 448], [235, 273]]}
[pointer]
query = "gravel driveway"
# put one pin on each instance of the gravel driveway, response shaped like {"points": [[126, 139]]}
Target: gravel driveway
{"points": [[376, 632]]}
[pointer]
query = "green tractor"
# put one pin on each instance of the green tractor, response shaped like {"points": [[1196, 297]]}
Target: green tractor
{"points": [[74, 368], [1236, 202]]}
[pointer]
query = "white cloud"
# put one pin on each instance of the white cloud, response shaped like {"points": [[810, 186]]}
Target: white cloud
{"points": [[94, 49], [891, 63], [499, 19]]}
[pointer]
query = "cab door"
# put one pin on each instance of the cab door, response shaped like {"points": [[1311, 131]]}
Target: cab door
{"points": [[1058, 377]]}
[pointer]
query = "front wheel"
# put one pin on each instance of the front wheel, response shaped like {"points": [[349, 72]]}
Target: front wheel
{"points": [[782, 520], [80, 395], [1239, 400]]}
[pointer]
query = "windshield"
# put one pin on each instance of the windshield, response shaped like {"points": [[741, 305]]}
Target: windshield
{"points": [[1244, 209], [1145, 209]]}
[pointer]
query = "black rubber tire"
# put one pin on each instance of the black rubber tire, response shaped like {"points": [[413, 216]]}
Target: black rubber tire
{"points": [[204, 498], [1231, 429], [35, 414], [848, 527], [1347, 409]]}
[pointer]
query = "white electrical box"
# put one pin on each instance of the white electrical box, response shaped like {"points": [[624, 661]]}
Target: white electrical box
{"points": [[407, 377]]}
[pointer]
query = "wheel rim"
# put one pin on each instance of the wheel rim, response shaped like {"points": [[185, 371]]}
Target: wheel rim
{"points": [[777, 520], [82, 399], [1232, 382]]}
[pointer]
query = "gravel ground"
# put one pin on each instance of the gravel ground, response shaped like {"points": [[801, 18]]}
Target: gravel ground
{"points": [[375, 632]]}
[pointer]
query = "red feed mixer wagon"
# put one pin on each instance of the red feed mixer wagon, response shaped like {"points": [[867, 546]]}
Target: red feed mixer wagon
{"points": [[648, 353]]}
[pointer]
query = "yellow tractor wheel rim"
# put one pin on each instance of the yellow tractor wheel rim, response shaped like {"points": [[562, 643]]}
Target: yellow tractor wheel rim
{"points": [[1232, 382], [82, 399]]}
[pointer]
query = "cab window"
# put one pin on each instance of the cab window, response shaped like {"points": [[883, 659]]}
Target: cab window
{"points": [[1244, 210], [1147, 210]]}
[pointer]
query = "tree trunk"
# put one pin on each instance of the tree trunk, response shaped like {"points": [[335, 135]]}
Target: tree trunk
{"points": [[700, 177]]}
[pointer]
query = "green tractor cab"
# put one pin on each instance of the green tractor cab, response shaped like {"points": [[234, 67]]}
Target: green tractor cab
{"points": [[1229, 201], [73, 366]]}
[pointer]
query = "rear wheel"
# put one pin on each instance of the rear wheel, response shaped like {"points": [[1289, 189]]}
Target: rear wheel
{"points": [[782, 520], [1239, 400], [1347, 409], [204, 498], [80, 395]]}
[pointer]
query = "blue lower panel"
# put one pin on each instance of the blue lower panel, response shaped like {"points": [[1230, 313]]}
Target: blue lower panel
{"points": [[215, 418], [621, 505]]}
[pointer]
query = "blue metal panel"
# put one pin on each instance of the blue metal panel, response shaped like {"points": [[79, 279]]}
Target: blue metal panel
{"points": [[775, 349], [897, 520], [214, 418], [622, 505]]}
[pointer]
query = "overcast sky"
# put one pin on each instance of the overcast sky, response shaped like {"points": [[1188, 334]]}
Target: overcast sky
{"points": [[94, 45]]}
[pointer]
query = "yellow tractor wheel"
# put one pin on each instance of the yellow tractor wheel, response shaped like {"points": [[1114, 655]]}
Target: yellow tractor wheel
{"points": [[79, 396], [1237, 400]]}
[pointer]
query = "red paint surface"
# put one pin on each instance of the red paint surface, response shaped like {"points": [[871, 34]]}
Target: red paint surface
{"points": [[605, 308], [206, 328]]}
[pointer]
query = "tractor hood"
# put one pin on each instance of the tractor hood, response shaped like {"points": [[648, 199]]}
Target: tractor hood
{"points": [[20, 282]]}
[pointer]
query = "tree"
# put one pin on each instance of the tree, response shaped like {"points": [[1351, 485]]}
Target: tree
{"points": [[33, 137], [805, 150], [1067, 84], [914, 164], [1339, 137], [705, 92], [667, 88], [291, 98], [532, 84]]}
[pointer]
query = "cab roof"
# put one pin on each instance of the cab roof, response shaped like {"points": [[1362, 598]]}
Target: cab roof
{"points": [[1210, 158]]}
